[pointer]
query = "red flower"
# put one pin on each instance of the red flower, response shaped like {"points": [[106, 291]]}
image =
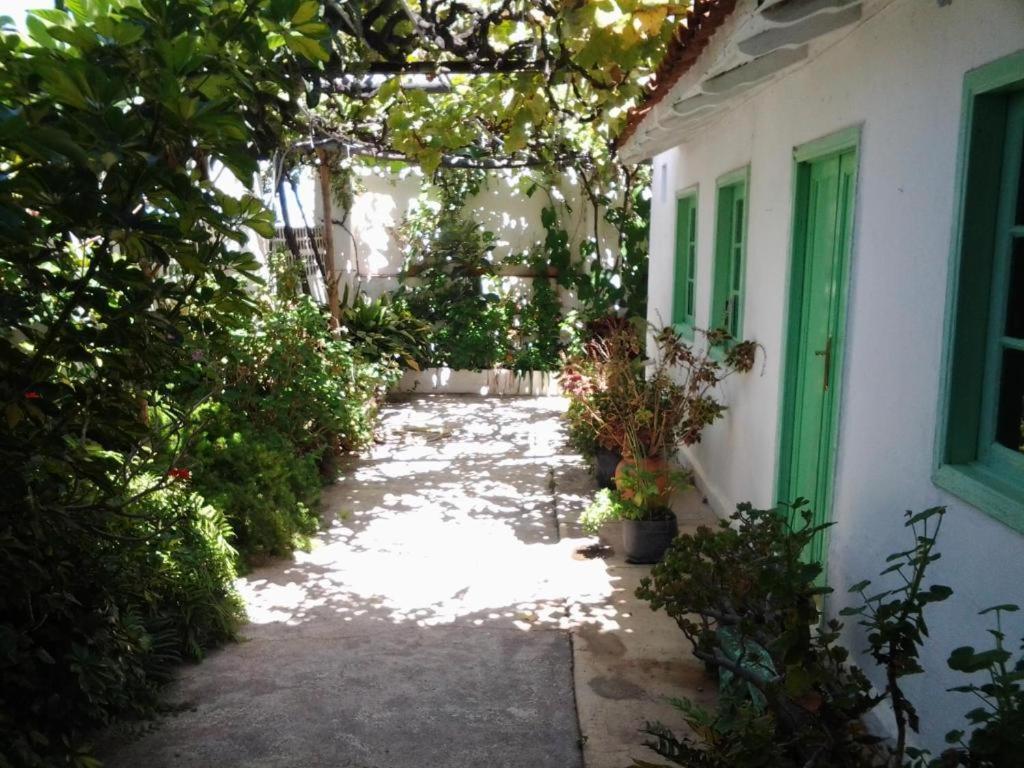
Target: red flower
{"points": [[30, 395], [180, 473]]}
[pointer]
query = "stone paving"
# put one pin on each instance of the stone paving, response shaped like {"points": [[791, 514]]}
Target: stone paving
{"points": [[441, 619]]}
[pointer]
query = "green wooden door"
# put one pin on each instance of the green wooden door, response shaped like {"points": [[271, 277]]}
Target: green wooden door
{"points": [[821, 250]]}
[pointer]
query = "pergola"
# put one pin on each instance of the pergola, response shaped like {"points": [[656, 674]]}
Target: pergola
{"points": [[542, 64]]}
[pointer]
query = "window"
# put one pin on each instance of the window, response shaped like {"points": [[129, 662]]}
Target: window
{"points": [[981, 436], [730, 254], [685, 288]]}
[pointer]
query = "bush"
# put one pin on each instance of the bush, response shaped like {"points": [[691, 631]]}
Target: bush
{"points": [[268, 492], [746, 600], [581, 432], [112, 615], [116, 250], [383, 329], [288, 374]]}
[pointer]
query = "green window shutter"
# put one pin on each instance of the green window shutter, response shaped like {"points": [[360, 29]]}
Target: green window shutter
{"points": [[684, 287], [730, 254], [980, 449]]}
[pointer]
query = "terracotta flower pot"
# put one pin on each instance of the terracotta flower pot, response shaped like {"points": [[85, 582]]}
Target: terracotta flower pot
{"points": [[657, 466]]}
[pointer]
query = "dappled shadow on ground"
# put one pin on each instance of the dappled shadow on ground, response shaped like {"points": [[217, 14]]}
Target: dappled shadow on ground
{"points": [[453, 519], [427, 626]]}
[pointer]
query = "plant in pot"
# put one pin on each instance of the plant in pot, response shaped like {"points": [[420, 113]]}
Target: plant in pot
{"points": [[648, 523], [587, 379], [653, 406]]}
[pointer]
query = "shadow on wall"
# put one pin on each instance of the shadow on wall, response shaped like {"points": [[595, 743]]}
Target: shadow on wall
{"points": [[452, 522]]}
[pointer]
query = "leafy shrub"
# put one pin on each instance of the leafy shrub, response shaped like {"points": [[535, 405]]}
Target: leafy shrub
{"points": [[288, 374], [268, 492], [649, 407], [609, 505], [746, 600], [384, 329], [117, 253], [997, 736], [156, 587], [581, 432], [181, 567]]}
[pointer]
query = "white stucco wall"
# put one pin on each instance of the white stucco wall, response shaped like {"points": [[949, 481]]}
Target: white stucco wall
{"points": [[899, 75], [369, 253]]}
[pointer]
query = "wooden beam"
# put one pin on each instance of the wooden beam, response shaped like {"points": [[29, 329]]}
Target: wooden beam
{"points": [[458, 67], [486, 163]]}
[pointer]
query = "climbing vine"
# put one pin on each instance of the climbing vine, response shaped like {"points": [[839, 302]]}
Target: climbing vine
{"points": [[453, 280]]}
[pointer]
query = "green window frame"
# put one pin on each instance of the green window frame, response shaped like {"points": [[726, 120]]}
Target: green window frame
{"points": [[684, 297], [727, 294], [980, 445]]}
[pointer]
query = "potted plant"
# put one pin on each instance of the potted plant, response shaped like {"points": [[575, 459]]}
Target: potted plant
{"points": [[587, 378], [641, 503], [653, 406]]}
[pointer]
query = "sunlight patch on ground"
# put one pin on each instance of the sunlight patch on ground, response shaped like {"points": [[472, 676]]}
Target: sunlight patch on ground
{"points": [[434, 532]]}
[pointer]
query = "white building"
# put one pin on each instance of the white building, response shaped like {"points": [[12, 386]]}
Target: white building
{"points": [[841, 181]]}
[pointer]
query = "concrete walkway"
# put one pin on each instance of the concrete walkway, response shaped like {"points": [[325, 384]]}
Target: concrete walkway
{"points": [[442, 619]]}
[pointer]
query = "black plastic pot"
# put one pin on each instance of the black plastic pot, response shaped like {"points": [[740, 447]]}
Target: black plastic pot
{"points": [[606, 462], [645, 541]]}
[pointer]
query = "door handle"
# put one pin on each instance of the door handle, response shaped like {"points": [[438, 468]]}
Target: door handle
{"points": [[827, 354]]}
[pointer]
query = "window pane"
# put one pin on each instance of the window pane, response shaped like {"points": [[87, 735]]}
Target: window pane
{"points": [[1015, 301], [1010, 418]]}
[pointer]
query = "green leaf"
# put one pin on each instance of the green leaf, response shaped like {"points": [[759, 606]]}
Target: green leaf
{"points": [[307, 10], [305, 47], [1005, 608]]}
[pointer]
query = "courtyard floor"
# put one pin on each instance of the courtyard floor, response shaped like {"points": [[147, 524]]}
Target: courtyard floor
{"points": [[445, 617]]}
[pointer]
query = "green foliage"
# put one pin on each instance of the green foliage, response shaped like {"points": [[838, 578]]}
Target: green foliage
{"points": [[587, 63], [181, 567], [581, 432], [383, 329], [536, 341], [123, 268], [160, 590], [451, 277], [747, 601], [448, 256], [287, 373], [996, 739], [622, 198], [893, 619], [609, 506], [267, 491]]}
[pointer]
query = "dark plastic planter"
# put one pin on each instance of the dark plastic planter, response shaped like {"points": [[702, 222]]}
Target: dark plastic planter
{"points": [[606, 462], [645, 541]]}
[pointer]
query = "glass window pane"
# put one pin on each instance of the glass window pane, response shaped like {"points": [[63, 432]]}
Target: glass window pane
{"points": [[1010, 418], [1015, 301]]}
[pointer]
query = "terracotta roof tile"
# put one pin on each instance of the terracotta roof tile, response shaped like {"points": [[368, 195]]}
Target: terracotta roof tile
{"points": [[689, 41]]}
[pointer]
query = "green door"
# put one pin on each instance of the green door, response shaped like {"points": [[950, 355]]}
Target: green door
{"points": [[810, 407]]}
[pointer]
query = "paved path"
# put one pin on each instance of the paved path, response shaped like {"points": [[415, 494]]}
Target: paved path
{"points": [[439, 622], [427, 627]]}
